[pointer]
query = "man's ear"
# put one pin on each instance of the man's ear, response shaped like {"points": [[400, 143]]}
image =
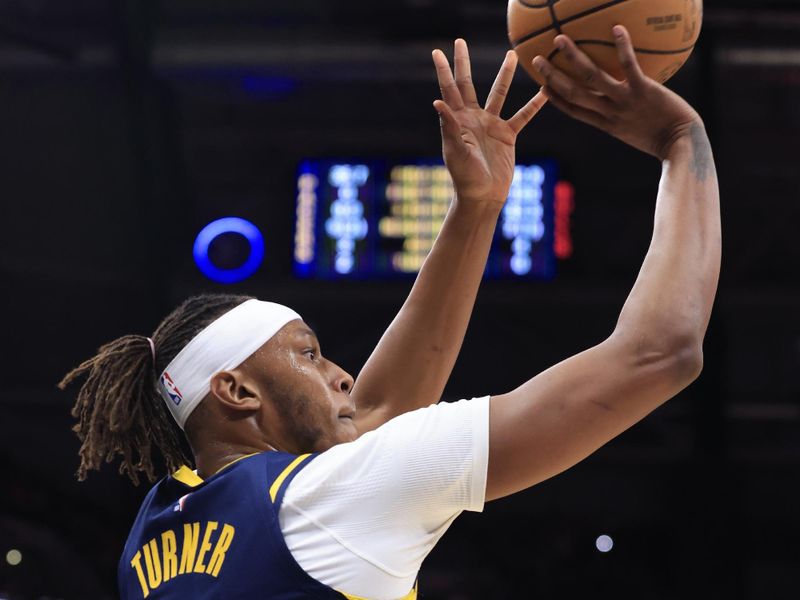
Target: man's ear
{"points": [[235, 391]]}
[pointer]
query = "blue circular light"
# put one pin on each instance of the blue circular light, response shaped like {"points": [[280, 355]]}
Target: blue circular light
{"points": [[229, 225]]}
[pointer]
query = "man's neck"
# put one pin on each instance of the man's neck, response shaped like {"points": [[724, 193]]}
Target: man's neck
{"points": [[212, 458]]}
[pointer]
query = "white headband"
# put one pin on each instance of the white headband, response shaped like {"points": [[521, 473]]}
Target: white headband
{"points": [[225, 344]]}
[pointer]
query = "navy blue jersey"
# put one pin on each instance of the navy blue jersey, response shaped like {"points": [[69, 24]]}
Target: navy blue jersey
{"points": [[218, 538]]}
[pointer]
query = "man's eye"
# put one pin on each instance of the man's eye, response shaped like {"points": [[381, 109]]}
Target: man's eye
{"points": [[311, 354]]}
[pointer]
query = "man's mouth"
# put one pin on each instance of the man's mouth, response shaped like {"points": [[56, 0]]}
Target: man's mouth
{"points": [[349, 414]]}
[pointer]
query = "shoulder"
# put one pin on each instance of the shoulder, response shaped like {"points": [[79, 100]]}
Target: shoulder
{"points": [[418, 423], [424, 426], [450, 433]]}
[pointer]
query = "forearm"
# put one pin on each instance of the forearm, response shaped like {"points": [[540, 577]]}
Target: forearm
{"points": [[413, 360], [670, 304], [412, 363]]}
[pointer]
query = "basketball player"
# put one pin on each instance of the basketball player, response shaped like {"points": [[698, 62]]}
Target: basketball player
{"points": [[308, 485]]}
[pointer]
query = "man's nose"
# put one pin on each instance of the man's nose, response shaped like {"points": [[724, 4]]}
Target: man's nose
{"points": [[345, 382], [342, 380]]}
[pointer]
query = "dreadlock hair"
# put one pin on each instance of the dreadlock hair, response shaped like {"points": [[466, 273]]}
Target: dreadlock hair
{"points": [[119, 409]]}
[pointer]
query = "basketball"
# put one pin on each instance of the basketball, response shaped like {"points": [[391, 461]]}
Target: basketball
{"points": [[663, 32]]}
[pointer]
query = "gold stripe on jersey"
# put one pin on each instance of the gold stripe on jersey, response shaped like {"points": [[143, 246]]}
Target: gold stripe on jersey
{"points": [[412, 595], [233, 462], [276, 485], [187, 477]]}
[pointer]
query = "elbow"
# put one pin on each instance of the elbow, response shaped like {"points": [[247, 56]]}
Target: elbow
{"points": [[679, 364], [687, 359], [677, 359]]}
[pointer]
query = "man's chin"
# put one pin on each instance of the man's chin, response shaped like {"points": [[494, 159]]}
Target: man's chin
{"points": [[348, 431], [344, 434]]}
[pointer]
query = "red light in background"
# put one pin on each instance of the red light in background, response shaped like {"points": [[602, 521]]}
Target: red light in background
{"points": [[564, 206]]}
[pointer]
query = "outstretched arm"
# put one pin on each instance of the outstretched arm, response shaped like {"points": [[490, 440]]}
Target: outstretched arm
{"points": [[569, 411], [414, 358]]}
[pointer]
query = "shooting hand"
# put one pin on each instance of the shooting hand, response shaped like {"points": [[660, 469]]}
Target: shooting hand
{"points": [[477, 144], [639, 111]]}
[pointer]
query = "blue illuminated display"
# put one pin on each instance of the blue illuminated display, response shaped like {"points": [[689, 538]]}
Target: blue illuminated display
{"points": [[362, 219], [346, 223], [220, 227], [522, 221]]}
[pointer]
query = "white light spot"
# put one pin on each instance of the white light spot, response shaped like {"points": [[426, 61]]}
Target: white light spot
{"points": [[13, 557], [604, 543], [521, 264]]}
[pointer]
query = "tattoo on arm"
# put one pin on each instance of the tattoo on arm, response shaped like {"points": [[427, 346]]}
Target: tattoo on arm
{"points": [[702, 161]]}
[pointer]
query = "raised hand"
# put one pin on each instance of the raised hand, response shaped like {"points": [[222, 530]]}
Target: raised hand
{"points": [[477, 144], [639, 111]]}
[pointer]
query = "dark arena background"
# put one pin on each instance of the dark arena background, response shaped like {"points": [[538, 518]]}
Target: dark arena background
{"points": [[128, 126]]}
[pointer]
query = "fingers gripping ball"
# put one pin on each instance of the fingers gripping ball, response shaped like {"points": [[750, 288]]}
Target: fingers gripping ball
{"points": [[664, 32]]}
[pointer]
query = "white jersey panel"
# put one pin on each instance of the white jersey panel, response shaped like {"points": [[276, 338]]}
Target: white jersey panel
{"points": [[362, 516]]}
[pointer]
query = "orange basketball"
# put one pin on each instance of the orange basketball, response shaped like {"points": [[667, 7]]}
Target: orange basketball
{"points": [[664, 32]]}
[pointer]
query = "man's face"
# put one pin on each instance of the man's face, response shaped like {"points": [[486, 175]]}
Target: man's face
{"points": [[307, 405]]}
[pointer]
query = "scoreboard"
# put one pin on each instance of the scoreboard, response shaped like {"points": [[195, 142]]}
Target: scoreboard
{"points": [[373, 219]]}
